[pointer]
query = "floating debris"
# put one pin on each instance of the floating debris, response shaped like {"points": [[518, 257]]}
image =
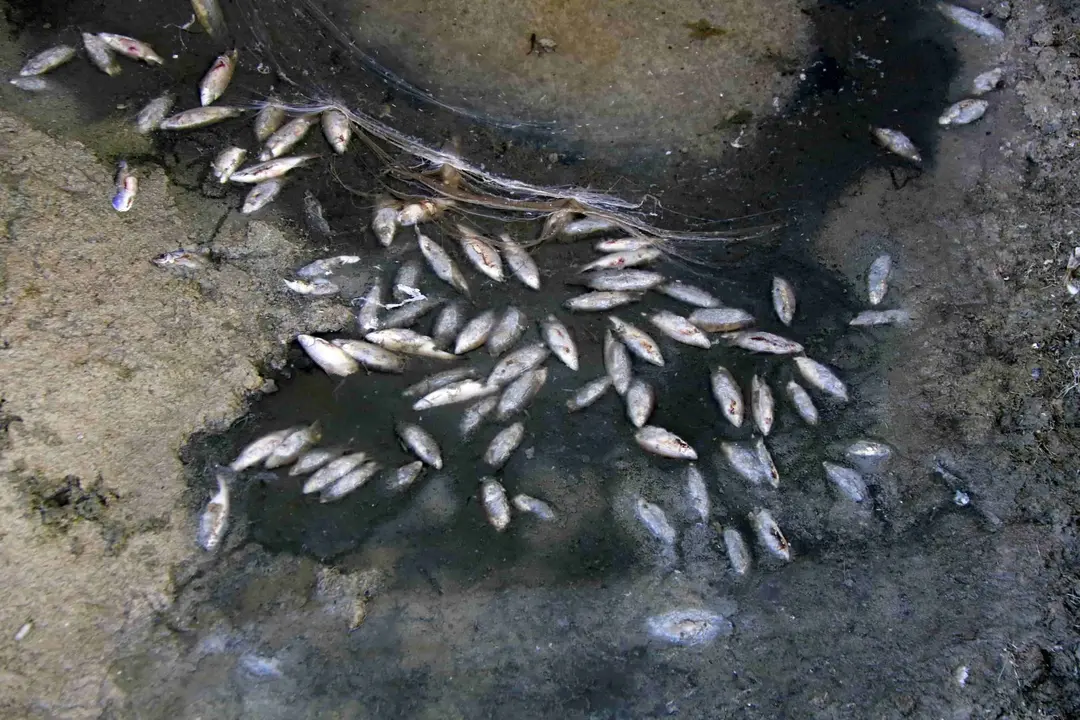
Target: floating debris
{"points": [[897, 143], [964, 112], [688, 627]]}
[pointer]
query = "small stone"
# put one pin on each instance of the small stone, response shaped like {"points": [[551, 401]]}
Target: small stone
{"points": [[961, 498]]}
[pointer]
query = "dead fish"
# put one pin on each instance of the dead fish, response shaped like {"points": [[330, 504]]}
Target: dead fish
{"points": [[520, 392], [131, 48], [517, 363], [745, 462], [769, 534], [680, 329], [688, 627], [763, 342], [558, 338], [326, 266], [100, 54], [655, 521], [217, 78], [520, 262], [868, 450], [483, 256], [964, 112], [599, 301], [987, 81], [624, 244], [337, 129], [822, 378], [877, 279], [803, 403], [190, 259], [314, 459], [1072, 264], [476, 414], [873, 318], [367, 318], [637, 341], [554, 224], [458, 392], [589, 393], [270, 169], [210, 17], [532, 506], [783, 300], [199, 117], [897, 143], [423, 211], [728, 395], [623, 280], [720, 319], [227, 162], [504, 444], [372, 357], [313, 212], [475, 333], [404, 476], [640, 402], [150, 117], [261, 195], [214, 521], [617, 363], [30, 84], [417, 441], [627, 259], [762, 405], [972, 21], [47, 60], [294, 445], [127, 187], [406, 281], [258, 450], [441, 263], [287, 137], [409, 342], [689, 294], [846, 480], [507, 331], [408, 314], [439, 380], [333, 470], [330, 357], [664, 443], [268, 121], [768, 467], [577, 229], [349, 482], [448, 324], [697, 494], [737, 551], [493, 498]]}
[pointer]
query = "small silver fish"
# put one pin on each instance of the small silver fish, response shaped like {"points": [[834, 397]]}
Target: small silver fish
{"points": [[259, 449], [217, 78], [504, 444], [458, 392], [270, 169], [440, 379], [214, 521], [623, 280], [623, 244], [261, 195], [441, 263], [589, 393], [198, 117], [640, 402], [745, 462], [506, 332], [680, 329], [964, 112], [897, 143], [333, 470], [803, 403], [227, 162], [294, 444], [720, 319], [972, 21], [664, 443], [601, 300], [519, 393], [520, 262], [697, 495], [655, 521], [314, 459], [287, 137], [689, 294], [737, 551], [268, 121], [150, 117], [846, 480], [409, 342], [475, 333], [517, 363], [417, 441], [987, 81], [210, 17], [404, 476], [763, 342], [481, 254], [617, 363], [768, 467], [576, 229], [423, 211], [627, 259], [349, 482], [728, 395], [47, 60], [637, 341], [100, 54], [448, 324], [367, 318], [406, 281], [328, 356], [877, 279], [131, 48], [783, 300], [372, 357], [408, 314], [493, 498], [873, 318], [872, 450], [337, 129], [326, 266], [762, 405], [127, 186], [822, 378], [476, 414], [558, 338], [190, 259], [30, 84], [688, 627], [769, 534], [532, 506]]}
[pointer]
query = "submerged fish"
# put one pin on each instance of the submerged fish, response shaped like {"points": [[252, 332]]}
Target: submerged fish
{"points": [[655, 521], [404, 476], [30, 84], [769, 534], [871, 450], [227, 162], [783, 300], [745, 462], [448, 324], [337, 129], [475, 333], [132, 48], [100, 54], [803, 403], [737, 551], [664, 443], [476, 414], [441, 263], [294, 444], [972, 21], [504, 444], [966, 111], [214, 521], [313, 459], [617, 363], [328, 356], [261, 195], [506, 332], [897, 143], [190, 259], [47, 60], [772, 475], [217, 78], [127, 186], [406, 341], [680, 329], [420, 443], [518, 393], [720, 319], [210, 17], [640, 402], [259, 449], [496, 506], [846, 480], [697, 495], [270, 169], [532, 506], [689, 294], [406, 282], [371, 356], [326, 266], [150, 117], [349, 482], [822, 378], [332, 471], [877, 278], [688, 627], [728, 395], [987, 81], [520, 262], [872, 318], [589, 393], [558, 338], [313, 211], [199, 117]]}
